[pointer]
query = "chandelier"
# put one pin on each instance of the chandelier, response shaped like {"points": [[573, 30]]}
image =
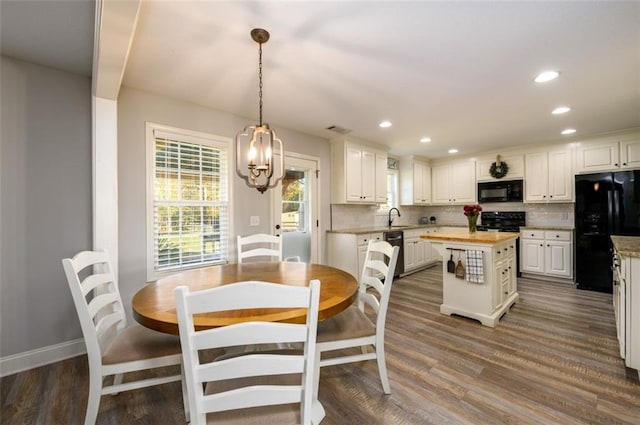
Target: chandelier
{"points": [[256, 142]]}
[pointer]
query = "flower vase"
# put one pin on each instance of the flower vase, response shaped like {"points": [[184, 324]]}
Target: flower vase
{"points": [[473, 222]]}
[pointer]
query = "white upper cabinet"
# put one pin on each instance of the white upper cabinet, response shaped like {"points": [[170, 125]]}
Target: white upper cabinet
{"points": [[454, 183], [355, 174], [381, 178], [548, 176], [415, 182], [607, 156], [515, 163]]}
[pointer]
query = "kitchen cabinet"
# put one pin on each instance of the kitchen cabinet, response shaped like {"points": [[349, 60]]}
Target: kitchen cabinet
{"points": [[593, 157], [626, 301], [488, 300], [357, 174], [381, 178], [547, 252], [548, 176], [415, 182], [418, 252], [515, 163], [347, 251], [454, 183]]}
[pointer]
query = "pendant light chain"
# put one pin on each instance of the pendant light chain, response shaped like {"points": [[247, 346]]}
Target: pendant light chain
{"points": [[260, 80]]}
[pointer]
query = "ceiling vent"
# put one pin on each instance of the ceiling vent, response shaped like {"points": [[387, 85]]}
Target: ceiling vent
{"points": [[338, 129]]}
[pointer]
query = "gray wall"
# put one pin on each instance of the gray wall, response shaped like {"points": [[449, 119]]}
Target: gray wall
{"points": [[45, 201], [136, 107]]}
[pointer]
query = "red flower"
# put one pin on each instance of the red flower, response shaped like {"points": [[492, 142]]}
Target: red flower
{"points": [[472, 210]]}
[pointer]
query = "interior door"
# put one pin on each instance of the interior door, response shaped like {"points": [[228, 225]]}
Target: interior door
{"points": [[295, 209]]}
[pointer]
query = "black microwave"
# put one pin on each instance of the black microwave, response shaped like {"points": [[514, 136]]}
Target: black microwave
{"points": [[500, 191]]}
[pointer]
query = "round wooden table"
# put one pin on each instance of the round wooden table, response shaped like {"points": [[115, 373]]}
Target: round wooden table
{"points": [[154, 305]]}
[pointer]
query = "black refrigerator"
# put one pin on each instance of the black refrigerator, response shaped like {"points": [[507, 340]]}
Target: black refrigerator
{"points": [[606, 204]]}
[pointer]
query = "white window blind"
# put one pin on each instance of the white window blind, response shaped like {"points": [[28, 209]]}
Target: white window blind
{"points": [[190, 204]]}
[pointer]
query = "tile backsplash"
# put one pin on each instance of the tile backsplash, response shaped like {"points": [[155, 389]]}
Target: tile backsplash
{"points": [[545, 215], [364, 216]]}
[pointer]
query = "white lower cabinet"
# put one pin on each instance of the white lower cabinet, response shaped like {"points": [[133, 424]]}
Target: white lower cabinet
{"points": [[418, 252], [346, 251], [547, 252]]}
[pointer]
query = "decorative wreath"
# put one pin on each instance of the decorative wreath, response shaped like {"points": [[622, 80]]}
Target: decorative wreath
{"points": [[498, 170]]}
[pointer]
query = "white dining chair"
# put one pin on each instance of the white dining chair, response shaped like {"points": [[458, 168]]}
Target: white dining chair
{"points": [[113, 347], [262, 387], [352, 328], [259, 245]]}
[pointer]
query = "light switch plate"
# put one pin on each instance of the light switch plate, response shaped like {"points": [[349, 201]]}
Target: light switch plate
{"points": [[254, 220]]}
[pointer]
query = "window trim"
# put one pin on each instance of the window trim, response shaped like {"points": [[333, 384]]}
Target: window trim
{"points": [[189, 136]]}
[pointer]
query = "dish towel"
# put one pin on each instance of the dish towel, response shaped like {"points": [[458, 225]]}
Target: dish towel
{"points": [[475, 268]]}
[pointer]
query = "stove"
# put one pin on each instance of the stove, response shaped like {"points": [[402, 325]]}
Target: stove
{"points": [[504, 221]]}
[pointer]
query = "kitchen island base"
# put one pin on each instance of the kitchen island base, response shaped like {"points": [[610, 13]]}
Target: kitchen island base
{"points": [[487, 320], [493, 289]]}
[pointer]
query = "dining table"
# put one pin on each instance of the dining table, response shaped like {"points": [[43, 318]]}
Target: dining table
{"points": [[154, 304]]}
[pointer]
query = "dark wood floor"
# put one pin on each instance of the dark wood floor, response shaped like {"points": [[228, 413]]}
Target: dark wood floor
{"points": [[553, 359]]}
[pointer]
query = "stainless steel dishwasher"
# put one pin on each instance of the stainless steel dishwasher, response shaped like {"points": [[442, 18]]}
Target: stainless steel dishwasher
{"points": [[396, 238]]}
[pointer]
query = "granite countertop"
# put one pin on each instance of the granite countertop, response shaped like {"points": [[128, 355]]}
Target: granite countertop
{"points": [[466, 237], [360, 231], [627, 246], [570, 229]]}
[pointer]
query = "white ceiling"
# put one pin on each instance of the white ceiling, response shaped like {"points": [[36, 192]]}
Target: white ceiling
{"points": [[458, 72]]}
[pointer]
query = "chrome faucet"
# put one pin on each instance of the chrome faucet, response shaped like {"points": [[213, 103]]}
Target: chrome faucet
{"points": [[390, 219]]}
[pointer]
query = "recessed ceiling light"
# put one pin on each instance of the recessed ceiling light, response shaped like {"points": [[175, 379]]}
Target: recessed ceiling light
{"points": [[545, 76], [385, 124], [453, 150], [561, 110], [425, 140], [568, 131]]}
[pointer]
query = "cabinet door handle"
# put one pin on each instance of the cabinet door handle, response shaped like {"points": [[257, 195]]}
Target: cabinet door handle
{"points": [[624, 163], [548, 245], [541, 245], [616, 164]]}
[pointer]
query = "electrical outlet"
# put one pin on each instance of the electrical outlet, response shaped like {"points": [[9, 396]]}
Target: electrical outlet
{"points": [[254, 220]]}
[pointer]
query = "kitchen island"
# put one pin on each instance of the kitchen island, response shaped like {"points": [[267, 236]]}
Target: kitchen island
{"points": [[478, 273], [626, 297]]}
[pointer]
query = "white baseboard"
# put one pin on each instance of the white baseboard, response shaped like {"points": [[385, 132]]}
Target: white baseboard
{"points": [[41, 356]]}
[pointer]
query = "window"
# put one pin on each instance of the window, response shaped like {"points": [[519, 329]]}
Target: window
{"points": [[392, 192], [188, 200], [294, 202]]}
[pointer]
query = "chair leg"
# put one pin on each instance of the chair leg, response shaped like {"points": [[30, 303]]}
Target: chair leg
{"points": [[185, 395], [316, 375], [382, 367], [93, 402], [117, 380]]}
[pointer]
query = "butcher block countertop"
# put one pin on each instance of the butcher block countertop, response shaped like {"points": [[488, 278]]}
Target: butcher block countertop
{"points": [[627, 246], [466, 237]]}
